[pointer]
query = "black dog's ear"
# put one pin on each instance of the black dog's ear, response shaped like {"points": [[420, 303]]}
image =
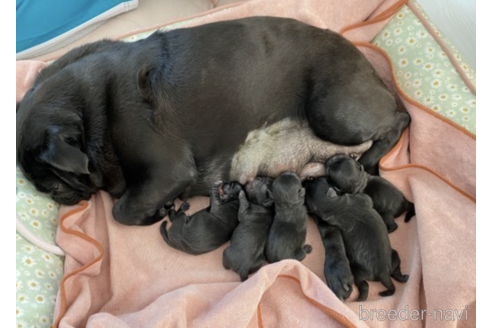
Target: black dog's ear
{"points": [[331, 193], [144, 82], [64, 155], [302, 193]]}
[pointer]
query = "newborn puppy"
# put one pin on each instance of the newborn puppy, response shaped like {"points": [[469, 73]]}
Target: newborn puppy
{"points": [[288, 232], [207, 229], [245, 255], [364, 234], [348, 176], [337, 272]]}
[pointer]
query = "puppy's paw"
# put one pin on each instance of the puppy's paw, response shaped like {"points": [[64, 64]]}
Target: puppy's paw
{"points": [[392, 227], [307, 248], [340, 281], [184, 207]]}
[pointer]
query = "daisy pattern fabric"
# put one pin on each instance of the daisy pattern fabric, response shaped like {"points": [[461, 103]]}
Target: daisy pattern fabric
{"points": [[38, 273], [424, 71]]}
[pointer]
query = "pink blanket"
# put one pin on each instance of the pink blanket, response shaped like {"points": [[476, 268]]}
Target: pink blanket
{"points": [[120, 276]]}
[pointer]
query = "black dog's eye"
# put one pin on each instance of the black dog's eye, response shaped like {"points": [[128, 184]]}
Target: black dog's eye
{"points": [[56, 186]]}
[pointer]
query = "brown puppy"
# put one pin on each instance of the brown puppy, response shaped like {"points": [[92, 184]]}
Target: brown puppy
{"points": [[348, 176]]}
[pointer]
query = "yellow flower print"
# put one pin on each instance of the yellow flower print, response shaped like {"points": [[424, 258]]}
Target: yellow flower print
{"points": [[34, 212], [402, 50], [34, 285], [398, 31], [36, 224], [386, 34], [418, 93], [22, 298], [400, 15], [28, 261], [438, 73], [389, 42], [421, 34], [465, 109], [457, 96], [408, 75], [50, 206], [417, 83], [436, 108], [48, 258], [443, 97], [418, 61], [451, 113], [40, 299], [436, 83], [21, 181], [411, 41], [428, 66], [403, 62]]}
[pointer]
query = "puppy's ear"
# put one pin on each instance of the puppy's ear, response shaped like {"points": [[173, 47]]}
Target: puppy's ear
{"points": [[62, 154], [267, 202], [270, 194], [144, 82], [331, 193], [302, 193]]}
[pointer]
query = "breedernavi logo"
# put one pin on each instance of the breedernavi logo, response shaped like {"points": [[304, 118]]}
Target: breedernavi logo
{"points": [[414, 315]]}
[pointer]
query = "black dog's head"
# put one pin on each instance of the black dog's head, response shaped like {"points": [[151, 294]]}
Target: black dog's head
{"points": [[257, 191], [50, 141], [345, 173], [318, 194], [287, 189], [229, 191]]}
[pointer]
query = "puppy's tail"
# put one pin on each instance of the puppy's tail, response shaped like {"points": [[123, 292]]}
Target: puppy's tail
{"points": [[411, 212]]}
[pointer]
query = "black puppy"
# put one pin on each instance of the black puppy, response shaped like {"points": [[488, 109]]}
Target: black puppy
{"points": [[116, 115], [337, 272], [246, 253], [208, 229], [288, 232], [364, 234], [348, 176]]}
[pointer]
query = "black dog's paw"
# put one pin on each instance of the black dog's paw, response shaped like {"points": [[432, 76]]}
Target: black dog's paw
{"points": [[392, 227], [184, 207], [340, 281], [307, 248]]}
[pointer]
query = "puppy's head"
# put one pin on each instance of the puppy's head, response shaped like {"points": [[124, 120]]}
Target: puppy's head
{"points": [[287, 189], [229, 191], [318, 193], [257, 191], [50, 142], [345, 173]]}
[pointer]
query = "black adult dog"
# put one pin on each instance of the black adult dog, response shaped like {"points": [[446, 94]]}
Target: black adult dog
{"points": [[162, 117]]}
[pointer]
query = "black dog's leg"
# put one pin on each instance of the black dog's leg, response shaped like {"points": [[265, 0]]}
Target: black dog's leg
{"points": [[389, 220], [411, 212], [386, 281], [363, 288], [370, 159], [215, 197], [337, 272], [243, 204]]}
